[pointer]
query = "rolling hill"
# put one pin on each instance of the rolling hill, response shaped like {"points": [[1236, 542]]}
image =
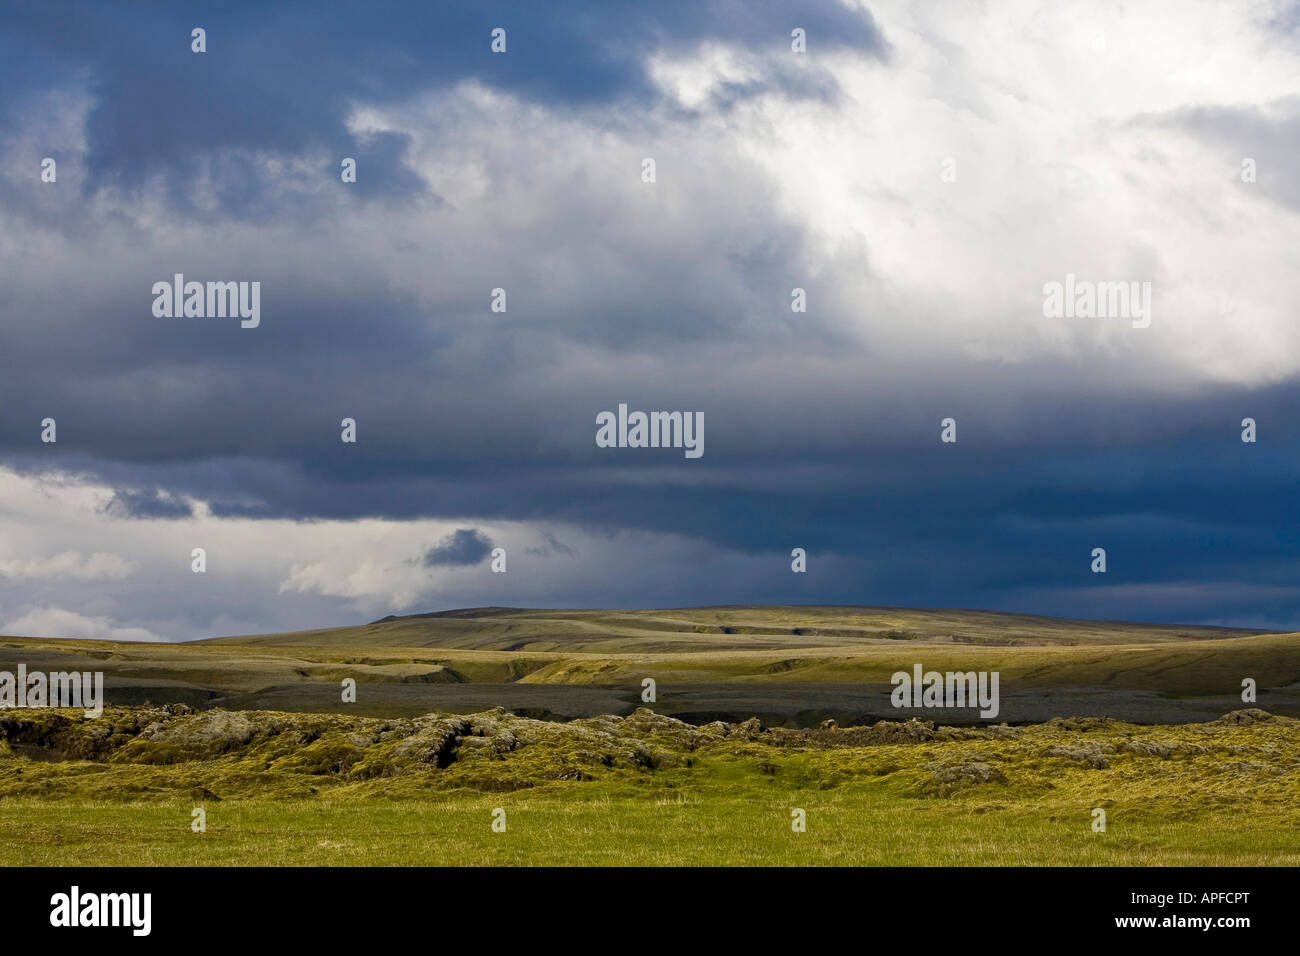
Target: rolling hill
{"points": [[787, 665]]}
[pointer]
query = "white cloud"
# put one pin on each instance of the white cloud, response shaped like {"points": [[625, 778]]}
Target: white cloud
{"points": [[71, 565], [1065, 163], [58, 622]]}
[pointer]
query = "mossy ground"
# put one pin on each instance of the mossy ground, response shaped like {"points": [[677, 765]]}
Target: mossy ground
{"points": [[285, 789]]}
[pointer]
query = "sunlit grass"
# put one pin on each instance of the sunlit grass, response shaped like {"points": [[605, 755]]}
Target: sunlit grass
{"points": [[1210, 794]]}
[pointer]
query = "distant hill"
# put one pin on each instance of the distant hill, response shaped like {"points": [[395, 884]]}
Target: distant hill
{"points": [[737, 627], [794, 665]]}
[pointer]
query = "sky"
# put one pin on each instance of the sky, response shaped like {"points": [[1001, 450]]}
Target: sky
{"points": [[922, 171]]}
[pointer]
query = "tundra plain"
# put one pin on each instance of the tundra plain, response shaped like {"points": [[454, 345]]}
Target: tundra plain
{"points": [[537, 717]]}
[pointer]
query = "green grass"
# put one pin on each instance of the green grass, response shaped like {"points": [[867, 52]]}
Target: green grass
{"points": [[590, 826], [292, 789]]}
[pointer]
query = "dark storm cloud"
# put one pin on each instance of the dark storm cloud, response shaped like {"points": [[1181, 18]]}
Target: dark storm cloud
{"points": [[147, 504], [282, 78], [813, 439], [464, 546], [551, 545], [1172, 494]]}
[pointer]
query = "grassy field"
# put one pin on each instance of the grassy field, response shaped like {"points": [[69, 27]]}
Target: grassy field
{"points": [[281, 789], [1144, 722], [593, 829]]}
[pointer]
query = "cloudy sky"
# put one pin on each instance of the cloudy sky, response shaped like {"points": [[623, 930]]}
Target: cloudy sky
{"points": [[921, 171]]}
